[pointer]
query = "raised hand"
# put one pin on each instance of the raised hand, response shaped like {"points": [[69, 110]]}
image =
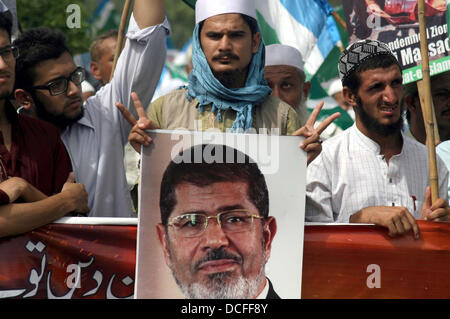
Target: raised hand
{"points": [[137, 136], [312, 144]]}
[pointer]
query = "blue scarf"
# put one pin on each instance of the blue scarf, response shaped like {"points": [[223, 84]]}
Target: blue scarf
{"points": [[204, 86]]}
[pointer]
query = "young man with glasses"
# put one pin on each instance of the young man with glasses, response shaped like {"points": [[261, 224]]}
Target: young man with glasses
{"points": [[215, 230], [35, 185], [95, 134]]}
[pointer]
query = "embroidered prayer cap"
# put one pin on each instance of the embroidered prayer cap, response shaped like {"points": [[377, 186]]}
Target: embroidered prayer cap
{"points": [[357, 53], [279, 54], [205, 9]]}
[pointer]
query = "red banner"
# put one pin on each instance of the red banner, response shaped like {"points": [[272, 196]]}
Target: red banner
{"points": [[62, 261], [358, 261], [340, 261]]}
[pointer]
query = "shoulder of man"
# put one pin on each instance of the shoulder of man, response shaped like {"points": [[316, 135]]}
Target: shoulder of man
{"points": [[37, 126], [173, 104], [274, 113]]}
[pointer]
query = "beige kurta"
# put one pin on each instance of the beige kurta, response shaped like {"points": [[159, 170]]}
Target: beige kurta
{"points": [[174, 111]]}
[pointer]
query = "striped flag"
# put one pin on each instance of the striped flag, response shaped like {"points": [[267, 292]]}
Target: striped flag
{"points": [[105, 17], [305, 25]]}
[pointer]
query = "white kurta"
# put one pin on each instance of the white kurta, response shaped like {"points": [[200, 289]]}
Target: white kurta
{"points": [[351, 174], [96, 142]]}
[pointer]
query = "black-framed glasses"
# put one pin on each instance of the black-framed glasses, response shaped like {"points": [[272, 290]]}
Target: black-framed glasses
{"points": [[59, 86], [231, 221], [9, 52]]}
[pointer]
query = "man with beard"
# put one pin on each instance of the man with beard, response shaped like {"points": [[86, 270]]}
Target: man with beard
{"points": [[95, 134], [215, 230], [227, 90], [371, 173], [35, 186], [285, 76]]}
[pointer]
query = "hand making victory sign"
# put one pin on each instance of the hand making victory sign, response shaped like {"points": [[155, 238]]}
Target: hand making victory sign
{"points": [[312, 144], [137, 135]]}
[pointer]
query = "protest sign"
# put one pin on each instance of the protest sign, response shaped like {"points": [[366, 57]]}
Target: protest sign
{"points": [[396, 23], [283, 166]]}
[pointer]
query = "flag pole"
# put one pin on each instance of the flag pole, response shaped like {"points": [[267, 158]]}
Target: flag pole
{"points": [[339, 20], [424, 88], [121, 34]]}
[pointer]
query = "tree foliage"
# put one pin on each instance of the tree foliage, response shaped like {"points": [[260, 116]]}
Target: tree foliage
{"points": [[182, 21], [52, 14]]}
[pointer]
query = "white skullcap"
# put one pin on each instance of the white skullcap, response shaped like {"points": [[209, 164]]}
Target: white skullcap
{"points": [[278, 54], [335, 87], [205, 9]]}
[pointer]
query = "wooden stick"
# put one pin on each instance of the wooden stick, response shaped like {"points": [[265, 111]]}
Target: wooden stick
{"points": [[338, 18], [420, 89], [121, 35], [427, 102]]}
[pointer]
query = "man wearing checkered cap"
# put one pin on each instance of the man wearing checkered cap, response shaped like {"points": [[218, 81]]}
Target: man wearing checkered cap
{"points": [[372, 173]]}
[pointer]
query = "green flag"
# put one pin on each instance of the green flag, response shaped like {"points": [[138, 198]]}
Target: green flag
{"points": [[190, 3], [448, 15]]}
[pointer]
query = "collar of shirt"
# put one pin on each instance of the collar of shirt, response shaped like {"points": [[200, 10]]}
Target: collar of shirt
{"points": [[368, 143]]}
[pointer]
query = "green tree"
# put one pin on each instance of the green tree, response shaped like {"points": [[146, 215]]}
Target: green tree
{"points": [[182, 21], [52, 14]]}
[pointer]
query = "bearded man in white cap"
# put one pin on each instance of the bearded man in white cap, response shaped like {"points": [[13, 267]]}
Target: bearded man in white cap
{"points": [[227, 90], [372, 173], [285, 76]]}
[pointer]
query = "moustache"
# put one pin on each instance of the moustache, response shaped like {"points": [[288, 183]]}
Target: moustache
{"points": [[226, 55], [217, 254]]}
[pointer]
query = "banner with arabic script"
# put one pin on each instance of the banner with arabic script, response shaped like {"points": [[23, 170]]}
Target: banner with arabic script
{"points": [[339, 261], [65, 261]]}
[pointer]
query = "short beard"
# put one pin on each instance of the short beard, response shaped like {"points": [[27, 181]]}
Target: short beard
{"points": [[220, 285], [232, 79], [5, 95], [373, 125], [59, 121]]}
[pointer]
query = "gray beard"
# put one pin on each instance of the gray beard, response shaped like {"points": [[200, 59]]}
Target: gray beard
{"points": [[302, 111], [220, 285]]}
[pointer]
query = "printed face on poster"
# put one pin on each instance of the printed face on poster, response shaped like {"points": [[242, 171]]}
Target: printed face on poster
{"points": [[220, 216], [396, 23]]}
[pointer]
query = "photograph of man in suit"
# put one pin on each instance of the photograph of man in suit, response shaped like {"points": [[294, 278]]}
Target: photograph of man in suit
{"points": [[215, 230]]}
